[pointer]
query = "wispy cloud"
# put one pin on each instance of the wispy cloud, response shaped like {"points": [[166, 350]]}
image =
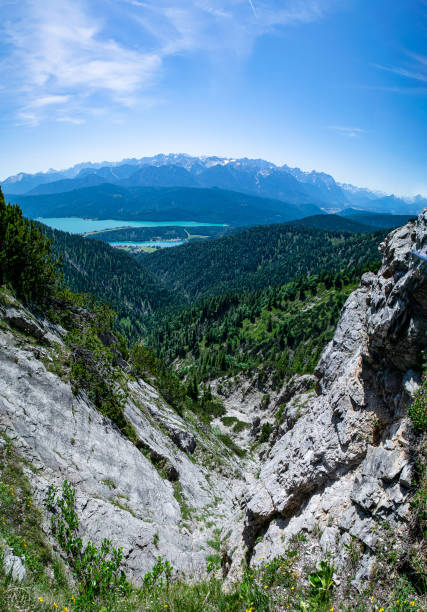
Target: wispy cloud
{"points": [[414, 69], [251, 4], [67, 56], [350, 132]]}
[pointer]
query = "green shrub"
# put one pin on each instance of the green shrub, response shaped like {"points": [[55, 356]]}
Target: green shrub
{"points": [[320, 593], [418, 409], [159, 576], [240, 426], [228, 421], [225, 439], [19, 518], [266, 431], [97, 570]]}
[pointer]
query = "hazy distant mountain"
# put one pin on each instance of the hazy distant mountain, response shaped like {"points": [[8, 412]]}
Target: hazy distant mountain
{"points": [[251, 176], [109, 201], [65, 185]]}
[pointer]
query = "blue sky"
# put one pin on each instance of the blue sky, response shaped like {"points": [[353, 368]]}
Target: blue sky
{"points": [[332, 85]]}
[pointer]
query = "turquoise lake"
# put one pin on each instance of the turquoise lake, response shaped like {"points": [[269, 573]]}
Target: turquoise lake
{"points": [[76, 225]]}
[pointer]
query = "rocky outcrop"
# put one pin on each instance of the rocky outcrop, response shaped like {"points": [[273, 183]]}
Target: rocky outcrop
{"points": [[152, 499], [338, 465], [13, 565], [343, 466]]}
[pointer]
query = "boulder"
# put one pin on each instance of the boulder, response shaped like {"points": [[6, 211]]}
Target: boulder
{"points": [[24, 323], [184, 440], [13, 565]]}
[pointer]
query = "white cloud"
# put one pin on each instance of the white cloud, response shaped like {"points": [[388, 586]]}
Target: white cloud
{"points": [[414, 69], [64, 55], [350, 132], [49, 100], [72, 120]]}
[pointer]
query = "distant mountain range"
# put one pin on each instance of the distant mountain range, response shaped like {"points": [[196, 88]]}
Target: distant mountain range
{"points": [[255, 177]]}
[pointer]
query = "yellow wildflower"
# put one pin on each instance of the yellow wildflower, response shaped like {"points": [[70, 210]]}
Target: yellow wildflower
{"points": [[372, 598], [412, 603], [41, 599], [266, 586], [292, 588], [55, 605]]}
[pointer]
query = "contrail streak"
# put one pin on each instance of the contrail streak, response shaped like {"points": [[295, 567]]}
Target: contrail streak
{"points": [[252, 7]]}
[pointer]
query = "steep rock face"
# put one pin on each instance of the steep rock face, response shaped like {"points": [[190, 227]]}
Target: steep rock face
{"points": [[339, 465], [154, 501], [344, 466]]}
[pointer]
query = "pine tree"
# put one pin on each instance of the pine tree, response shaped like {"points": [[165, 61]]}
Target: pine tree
{"points": [[26, 260]]}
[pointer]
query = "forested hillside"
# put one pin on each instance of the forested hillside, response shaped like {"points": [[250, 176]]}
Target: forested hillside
{"points": [[259, 257], [335, 223], [377, 219], [279, 330], [165, 232], [108, 201], [26, 261], [112, 276]]}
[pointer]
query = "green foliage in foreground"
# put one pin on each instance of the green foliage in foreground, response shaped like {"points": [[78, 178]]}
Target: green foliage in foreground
{"points": [[97, 571], [97, 583], [418, 409], [26, 261]]}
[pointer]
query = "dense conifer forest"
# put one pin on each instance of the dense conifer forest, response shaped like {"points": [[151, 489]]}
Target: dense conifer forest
{"points": [[277, 331], [112, 276], [259, 257], [26, 261], [168, 232]]}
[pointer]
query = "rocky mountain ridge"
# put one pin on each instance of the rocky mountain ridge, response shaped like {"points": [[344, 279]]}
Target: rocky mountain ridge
{"points": [[337, 470], [251, 176], [342, 465]]}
